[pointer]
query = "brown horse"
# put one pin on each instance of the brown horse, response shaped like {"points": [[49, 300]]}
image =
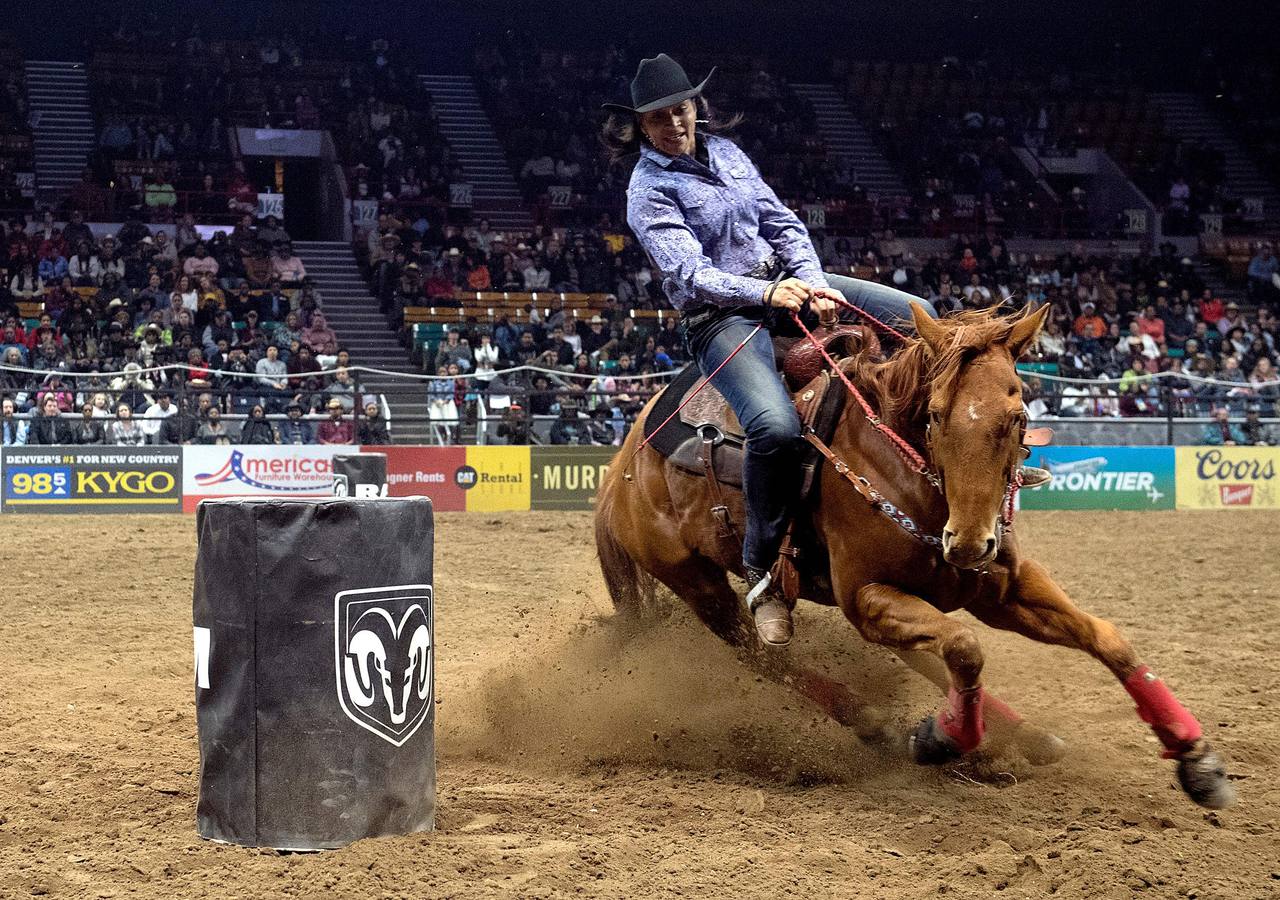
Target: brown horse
{"points": [[954, 394]]}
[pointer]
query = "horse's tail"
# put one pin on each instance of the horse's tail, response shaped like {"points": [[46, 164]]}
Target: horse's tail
{"points": [[630, 587]]}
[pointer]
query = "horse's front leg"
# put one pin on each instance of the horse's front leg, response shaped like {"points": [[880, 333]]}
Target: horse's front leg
{"points": [[887, 616], [1039, 609], [1004, 726]]}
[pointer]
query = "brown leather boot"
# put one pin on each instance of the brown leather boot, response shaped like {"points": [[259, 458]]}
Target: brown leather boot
{"points": [[769, 608]]}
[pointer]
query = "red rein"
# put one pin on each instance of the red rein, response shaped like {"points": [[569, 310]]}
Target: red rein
{"points": [[908, 452]]}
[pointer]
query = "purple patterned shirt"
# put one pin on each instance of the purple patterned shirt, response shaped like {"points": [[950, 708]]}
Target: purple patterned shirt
{"points": [[704, 227]]}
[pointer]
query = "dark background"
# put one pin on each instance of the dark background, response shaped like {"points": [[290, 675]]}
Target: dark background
{"points": [[1155, 40]]}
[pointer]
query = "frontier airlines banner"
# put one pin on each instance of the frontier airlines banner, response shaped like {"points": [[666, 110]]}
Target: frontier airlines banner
{"points": [[1103, 478]]}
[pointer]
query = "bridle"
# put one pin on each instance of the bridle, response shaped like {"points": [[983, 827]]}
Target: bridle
{"points": [[915, 460]]}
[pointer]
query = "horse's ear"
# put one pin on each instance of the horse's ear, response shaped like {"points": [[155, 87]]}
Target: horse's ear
{"points": [[933, 334], [1025, 330]]}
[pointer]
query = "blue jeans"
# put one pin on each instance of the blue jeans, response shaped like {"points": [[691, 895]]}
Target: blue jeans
{"points": [[754, 390]]}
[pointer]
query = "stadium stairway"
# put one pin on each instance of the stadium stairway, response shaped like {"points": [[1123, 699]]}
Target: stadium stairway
{"points": [[352, 312], [1187, 116], [495, 195], [58, 93], [846, 137]]}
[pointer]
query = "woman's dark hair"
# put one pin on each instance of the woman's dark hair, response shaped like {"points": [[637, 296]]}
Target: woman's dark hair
{"points": [[621, 132]]}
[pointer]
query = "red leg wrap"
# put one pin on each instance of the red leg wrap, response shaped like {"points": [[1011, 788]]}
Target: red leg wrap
{"points": [[1177, 729], [994, 706], [962, 719]]}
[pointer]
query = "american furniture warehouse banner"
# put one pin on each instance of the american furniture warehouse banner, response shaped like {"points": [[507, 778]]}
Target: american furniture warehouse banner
{"points": [[92, 479]]}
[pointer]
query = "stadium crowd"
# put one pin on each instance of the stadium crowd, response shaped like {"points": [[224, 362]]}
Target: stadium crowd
{"points": [[1122, 317], [164, 100], [236, 310]]}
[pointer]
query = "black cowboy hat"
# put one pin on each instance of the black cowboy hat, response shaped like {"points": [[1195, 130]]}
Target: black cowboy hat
{"points": [[659, 82]]}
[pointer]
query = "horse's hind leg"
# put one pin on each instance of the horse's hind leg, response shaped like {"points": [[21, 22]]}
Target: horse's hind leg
{"points": [[703, 585], [1039, 609], [1004, 726]]}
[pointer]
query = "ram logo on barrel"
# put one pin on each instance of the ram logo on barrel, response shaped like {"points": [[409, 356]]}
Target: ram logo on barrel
{"points": [[383, 659]]}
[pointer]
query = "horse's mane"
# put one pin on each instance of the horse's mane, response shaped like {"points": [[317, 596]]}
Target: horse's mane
{"points": [[914, 379]]}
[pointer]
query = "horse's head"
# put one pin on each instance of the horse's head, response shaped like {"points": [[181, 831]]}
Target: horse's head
{"points": [[975, 421]]}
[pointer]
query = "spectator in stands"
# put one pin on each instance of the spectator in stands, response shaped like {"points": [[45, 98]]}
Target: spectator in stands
{"points": [[287, 333], [214, 430], [1263, 269], [1222, 431], [600, 429], [337, 429], [258, 429], [287, 267], [180, 428], [53, 266], [47, 427], [186, 295], [89, 430], [537, 277], [125, 430], [200, 262], [76, 230], [154, 415], [343, 389], [514, 426], [454, 350], [273, 384], [372, 430], [56, 388], [294, 429], [26, 285], [441, 407], [164, 251], [569, 428], [160, 197], [1231, 318], [1254, 432], [13, 431], [322, 339]]}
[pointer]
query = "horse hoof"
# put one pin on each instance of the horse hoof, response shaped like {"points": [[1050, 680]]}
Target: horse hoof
{"points": [[929, 746], [1039, 747], [1203, 775]]}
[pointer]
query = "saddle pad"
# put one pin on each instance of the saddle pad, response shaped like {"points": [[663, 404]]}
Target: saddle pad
{"points": [[708, 407]]}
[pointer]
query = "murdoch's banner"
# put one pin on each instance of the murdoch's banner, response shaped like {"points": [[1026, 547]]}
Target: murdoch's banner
{"points": [[568, 477], [92, 479], [1228, 477], [1103, 478]]}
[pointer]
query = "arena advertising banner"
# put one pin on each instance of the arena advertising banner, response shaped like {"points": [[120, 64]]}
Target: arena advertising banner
{"points": [[1228, 477], [1103, 478], [496, 479], [477, 479], [92, 479], [249, 470], [568, 477], [427, 472]]}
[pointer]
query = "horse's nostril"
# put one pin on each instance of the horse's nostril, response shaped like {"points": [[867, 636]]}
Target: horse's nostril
{"points": [[991, 546]]}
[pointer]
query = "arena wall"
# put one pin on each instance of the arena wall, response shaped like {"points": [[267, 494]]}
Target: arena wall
{"points": [[499, 478]]}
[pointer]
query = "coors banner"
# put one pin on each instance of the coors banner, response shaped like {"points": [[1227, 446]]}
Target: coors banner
{"points": [[314, 647]]}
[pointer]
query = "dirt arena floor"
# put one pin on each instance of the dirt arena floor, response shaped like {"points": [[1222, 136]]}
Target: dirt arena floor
{"points": [[574, 762]]}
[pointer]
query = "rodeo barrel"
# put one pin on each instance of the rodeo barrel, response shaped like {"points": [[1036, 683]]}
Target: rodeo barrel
{"points": [[360, 475], [314, 628]]}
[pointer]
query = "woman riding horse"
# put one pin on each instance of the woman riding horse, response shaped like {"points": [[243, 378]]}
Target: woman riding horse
{"points": [[728, 249]]}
